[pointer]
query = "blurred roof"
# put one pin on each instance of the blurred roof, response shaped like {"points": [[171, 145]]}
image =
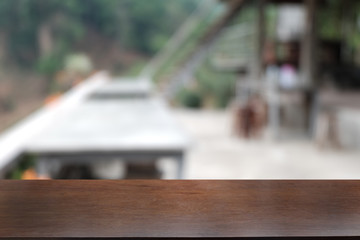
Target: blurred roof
{"points": [[124, 88], [121, 116]]}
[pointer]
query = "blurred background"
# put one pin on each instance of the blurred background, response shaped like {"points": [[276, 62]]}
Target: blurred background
{"points": [[193, 89]]}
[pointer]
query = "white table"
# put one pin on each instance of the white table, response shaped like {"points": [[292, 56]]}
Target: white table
{"points": [[130, 129]]}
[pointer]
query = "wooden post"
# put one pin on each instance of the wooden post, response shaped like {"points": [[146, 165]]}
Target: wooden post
{"points": [[309, 64], [261, 27], [308, 53]]}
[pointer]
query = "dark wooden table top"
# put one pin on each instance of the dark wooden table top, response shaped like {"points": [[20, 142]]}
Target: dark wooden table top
{"points": [[179, 209]]}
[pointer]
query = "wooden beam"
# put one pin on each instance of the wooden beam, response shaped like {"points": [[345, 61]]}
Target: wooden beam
{"points": [[309, 65], [261, 30], [309, 59], [234, 7]]}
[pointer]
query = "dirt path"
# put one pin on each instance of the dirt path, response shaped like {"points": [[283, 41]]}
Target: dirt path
{"points": [[215, 154]]}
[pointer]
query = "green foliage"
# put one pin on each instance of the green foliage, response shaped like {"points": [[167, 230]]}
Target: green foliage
{"points": [[271, 21], [140, 25], [25, 162], [211, 84], [49, 65], [187, 46], [190, 98], [339, 21], [217, 85], [330, 20], [248, 13], [151, 23], [135, 69]]}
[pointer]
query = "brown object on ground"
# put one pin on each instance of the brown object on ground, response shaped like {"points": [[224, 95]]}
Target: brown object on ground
{"points": [[173, 209], [251, 118]]}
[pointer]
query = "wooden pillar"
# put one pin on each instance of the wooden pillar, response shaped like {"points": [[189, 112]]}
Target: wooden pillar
{"points": [[261, 32], [308, 53], [309, 63]]}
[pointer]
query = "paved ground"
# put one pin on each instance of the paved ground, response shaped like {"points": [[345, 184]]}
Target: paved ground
{"points": [[216, 154]]}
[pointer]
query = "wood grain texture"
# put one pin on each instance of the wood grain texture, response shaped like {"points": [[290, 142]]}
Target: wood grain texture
{"points": [[179, 209]]}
